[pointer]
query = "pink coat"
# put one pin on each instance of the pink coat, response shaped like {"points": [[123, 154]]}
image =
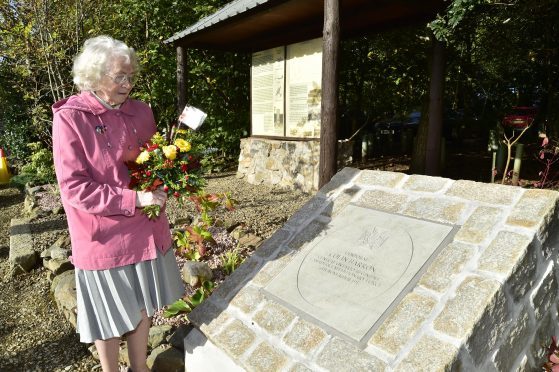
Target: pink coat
{"points": [[90, 145]]}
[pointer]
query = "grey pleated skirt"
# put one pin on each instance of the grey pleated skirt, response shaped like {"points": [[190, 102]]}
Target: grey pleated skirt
{"points": [[110, 301]]}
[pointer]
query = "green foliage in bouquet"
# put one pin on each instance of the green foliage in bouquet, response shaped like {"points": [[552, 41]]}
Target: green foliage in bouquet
{"points": [[172, 165]]}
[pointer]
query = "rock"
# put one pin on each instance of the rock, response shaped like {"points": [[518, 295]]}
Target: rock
{"points": [[181, 221], [22, 256], [58, 278], [59, 253], [195, 273], [177, 338], [250, 240], [58, 210], [238, 232], [166, 358], [65, 296], [63, 242], [60, 249], [57, 265], [123, 353], [158, 335], [93, 351]]}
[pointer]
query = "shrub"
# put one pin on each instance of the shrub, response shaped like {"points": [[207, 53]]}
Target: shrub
{"points": [[39, 170]]}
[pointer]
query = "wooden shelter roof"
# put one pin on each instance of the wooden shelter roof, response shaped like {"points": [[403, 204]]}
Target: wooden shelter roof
{"points": [[252, 25]]}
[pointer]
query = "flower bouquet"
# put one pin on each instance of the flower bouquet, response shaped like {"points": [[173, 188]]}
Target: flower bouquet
{"points": [[173, 166]]}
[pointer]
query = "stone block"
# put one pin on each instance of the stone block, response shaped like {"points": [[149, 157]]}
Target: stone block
{"points": [[209, 317], [235, 339], [461, 313], [22, 256], [429, 354], [166, 358], [310, 232], [379, 178], [436, 209], [382, 200], [266, 358], [514, 342], [342, 200], [512, 256], [485, 192], [545, 329], [248, 299], [478, 314], [307, 212], [340, 179], [545, 293], [229, 288], [298, 367], [447, 265], [479, 225], [304, 337], [274, 318], [533, 208], [403, 323], [273, 267], [271, 246], [422, 183], [341, 356]]}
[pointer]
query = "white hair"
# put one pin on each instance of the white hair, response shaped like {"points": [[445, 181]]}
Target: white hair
{"points": [[93, 61]]}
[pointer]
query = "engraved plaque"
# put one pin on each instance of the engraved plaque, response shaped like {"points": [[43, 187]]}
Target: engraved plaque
{"points": [[364, 261]]}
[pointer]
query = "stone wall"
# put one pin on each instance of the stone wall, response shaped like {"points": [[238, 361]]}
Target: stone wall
{"points": [[285, 164], [487, 302]]}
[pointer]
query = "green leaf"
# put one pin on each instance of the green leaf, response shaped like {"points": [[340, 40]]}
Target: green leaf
{"points": [[179, 306]]}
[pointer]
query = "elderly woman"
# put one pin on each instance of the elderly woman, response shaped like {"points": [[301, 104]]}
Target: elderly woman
{"points": [[125, 269]]}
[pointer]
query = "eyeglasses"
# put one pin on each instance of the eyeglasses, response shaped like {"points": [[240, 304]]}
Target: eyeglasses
{"points": [[122, 78]]}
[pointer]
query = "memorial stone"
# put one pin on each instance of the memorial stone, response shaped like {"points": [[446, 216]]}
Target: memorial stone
{"points": [[384, 271]]}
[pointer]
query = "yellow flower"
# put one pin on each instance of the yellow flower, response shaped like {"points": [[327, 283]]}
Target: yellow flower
{"points": [[143, 157], [183, 145], [170, 151]]}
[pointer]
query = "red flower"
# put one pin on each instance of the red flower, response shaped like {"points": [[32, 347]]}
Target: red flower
{"points": [[148, 173], [176, 194], [152, 147], [165, 188]]}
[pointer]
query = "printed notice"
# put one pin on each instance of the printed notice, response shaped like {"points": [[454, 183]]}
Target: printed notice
{"points": [[303, 90], [267, 92]]}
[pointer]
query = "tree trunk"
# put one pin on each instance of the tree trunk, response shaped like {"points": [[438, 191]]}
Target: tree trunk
{"points": [[420, 141], [427, 145], [181, 78], [329, 104], [436, 92]]}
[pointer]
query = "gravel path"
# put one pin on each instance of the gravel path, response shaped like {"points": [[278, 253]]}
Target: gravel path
{"points": [[34, 336]]}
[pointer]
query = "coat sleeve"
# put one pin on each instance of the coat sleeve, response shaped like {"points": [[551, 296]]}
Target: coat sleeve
{"points": [[77, 188]]}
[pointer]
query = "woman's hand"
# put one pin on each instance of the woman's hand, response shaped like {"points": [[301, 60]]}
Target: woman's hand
{"points": [[145, 198]]}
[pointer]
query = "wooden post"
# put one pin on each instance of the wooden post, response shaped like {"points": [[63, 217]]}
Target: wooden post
{"points": [[181, 78], [329, 104]]}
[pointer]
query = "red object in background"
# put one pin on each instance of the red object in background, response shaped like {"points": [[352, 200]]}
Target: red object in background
{"points": [[2, 155], [520, 117]]}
